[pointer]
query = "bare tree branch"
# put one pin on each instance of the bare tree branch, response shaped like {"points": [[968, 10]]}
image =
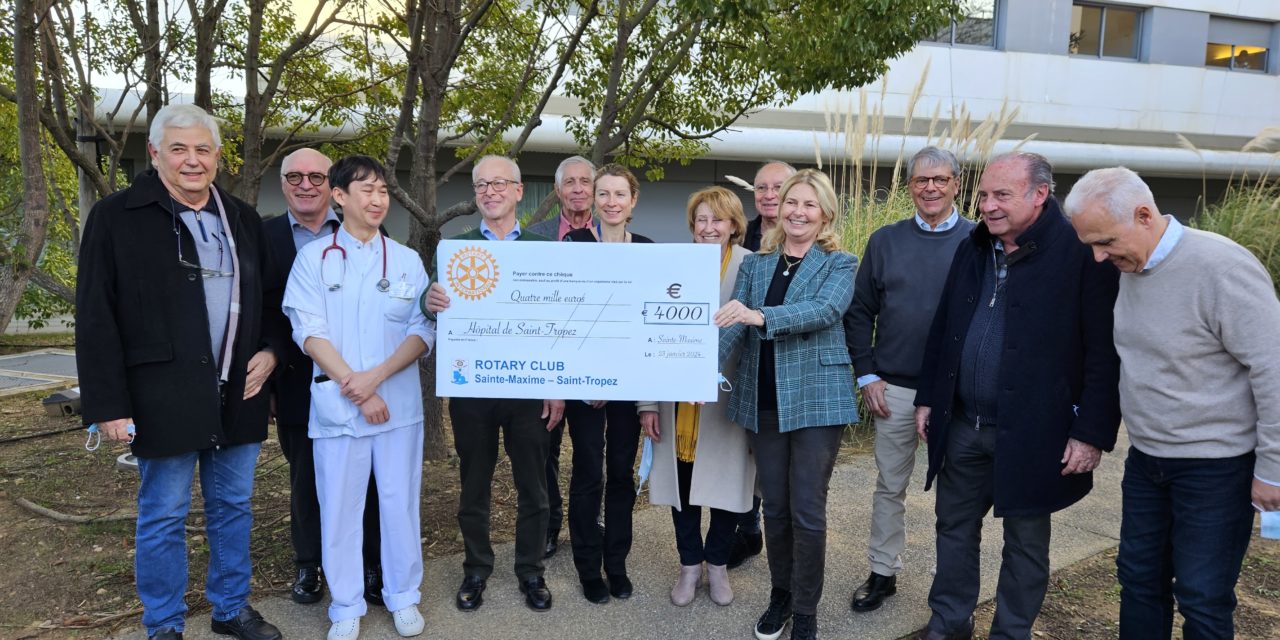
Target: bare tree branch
{"points": [[63, 141], [639, 107], [571, 48], [42, 279]]}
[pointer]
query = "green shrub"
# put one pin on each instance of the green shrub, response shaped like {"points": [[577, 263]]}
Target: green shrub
{"points": [[1247, 214]]}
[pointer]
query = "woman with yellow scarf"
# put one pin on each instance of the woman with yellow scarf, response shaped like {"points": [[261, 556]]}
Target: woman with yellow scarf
{"points": [[700, 458]]}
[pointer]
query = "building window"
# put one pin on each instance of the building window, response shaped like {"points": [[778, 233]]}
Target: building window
{"points": [[1104, 31], [976, 25], [1240, 45], [1232, 56]]}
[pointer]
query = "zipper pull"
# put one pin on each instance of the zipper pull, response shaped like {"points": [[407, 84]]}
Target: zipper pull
{"points": [[199, 223]]}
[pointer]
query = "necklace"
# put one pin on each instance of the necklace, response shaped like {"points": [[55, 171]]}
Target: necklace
{"points": [[790, 265]]}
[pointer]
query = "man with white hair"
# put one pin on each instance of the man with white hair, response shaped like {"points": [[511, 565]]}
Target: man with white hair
{"points": [[575, 180], [173, 349], [1196, 322], [525, 424]]}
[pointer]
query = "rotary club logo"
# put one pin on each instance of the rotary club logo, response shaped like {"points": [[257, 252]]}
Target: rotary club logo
{"points": [[472, 273]]}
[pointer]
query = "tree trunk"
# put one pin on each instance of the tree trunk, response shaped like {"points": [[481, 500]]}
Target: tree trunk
{"points": [[435, 442], [255, 107], [85, 142], [441, 28], [152, 68], [22, 255], [206, 25]]}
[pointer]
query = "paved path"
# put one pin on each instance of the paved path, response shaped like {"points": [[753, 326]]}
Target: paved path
{"points": [[1087, 528]]}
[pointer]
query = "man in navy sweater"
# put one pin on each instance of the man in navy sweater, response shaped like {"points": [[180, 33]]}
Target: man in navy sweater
{"points": [[896, 292]]}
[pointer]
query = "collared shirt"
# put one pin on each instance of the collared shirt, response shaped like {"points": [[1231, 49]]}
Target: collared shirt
{"points": [[944, 225], [363, 324], [490, 235], [1169, 240], [213, 253], [566, 227], [302, 236]]}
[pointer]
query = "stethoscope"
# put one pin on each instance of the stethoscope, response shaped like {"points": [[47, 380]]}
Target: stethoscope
{"points": [[383, 284]]}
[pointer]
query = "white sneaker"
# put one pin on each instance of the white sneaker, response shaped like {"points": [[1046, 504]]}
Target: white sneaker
{"points": [[408, 621], [348, 629]]}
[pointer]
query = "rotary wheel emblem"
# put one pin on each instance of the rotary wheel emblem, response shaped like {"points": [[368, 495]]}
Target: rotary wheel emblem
{"points": [[473, 273]]}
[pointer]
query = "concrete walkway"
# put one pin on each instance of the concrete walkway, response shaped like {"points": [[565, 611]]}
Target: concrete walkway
{"points": [[1087, 528]]}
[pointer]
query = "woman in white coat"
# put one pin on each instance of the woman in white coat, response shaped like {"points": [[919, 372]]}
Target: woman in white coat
{"points": [[700, 458]]}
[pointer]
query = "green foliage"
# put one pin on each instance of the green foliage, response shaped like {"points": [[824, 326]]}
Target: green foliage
{"points": [[1247, 214], [722, 60], [811, 45], [37, 306]]}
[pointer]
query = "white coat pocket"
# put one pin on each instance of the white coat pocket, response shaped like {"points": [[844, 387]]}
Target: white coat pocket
{"points": [[397, 310], [329, 408]]}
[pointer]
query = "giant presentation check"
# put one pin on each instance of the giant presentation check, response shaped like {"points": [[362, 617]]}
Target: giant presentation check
{"points": [[578, 321]]}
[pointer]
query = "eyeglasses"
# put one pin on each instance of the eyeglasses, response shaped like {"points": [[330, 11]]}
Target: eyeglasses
{"points": [[295, 178], [923, 181], [498, 185], [204, 271]]}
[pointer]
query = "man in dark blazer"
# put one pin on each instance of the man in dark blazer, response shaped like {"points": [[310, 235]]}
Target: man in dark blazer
{"points": [[1018, 393], [575, 189], [173, 350], [305, 183], [525, 424]]}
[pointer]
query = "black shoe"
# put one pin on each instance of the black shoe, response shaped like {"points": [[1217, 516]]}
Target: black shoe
{"points": [[247, 625], [595, 590], [553, 545], [745, 545], [804, 627], [166, 633], [309, 587], [965, 634], [774, 619], [871, 594], [470, 594], [373, 586], [619, 586], [536, 594]]}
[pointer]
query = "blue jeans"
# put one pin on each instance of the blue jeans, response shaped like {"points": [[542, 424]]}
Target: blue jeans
{"points": [[226, 481], [1185, 527]]}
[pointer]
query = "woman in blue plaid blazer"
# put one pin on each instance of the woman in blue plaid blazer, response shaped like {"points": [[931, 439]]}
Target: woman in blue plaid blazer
{"points": [[793, 388]]}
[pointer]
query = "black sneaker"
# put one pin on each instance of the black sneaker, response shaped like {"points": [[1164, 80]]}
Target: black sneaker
{"points": [[804, 627], [774, 619]]}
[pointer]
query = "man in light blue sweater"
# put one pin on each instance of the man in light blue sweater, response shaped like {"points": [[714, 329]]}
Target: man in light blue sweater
{"points": [[1196, 322]]}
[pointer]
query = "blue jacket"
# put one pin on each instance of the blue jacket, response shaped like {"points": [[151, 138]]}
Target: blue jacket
{"points": [[1059, 373], [814, 372]]}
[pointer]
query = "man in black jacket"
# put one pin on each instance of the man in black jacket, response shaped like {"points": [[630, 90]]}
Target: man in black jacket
{"points": [[1018, 393], [304, 180], [173, 351]]}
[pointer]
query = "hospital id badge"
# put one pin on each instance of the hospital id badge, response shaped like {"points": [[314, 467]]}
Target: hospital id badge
{"points": [[402, 291]]}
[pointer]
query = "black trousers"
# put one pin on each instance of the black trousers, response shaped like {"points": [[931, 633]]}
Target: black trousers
{"points": [[793, 471], [554, 500], [965, 494], [476, 424], [688, 523], [304, 506], [605, 442]]}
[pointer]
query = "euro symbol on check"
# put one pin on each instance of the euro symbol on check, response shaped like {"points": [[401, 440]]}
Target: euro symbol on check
{"points": [[674, 290]]}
